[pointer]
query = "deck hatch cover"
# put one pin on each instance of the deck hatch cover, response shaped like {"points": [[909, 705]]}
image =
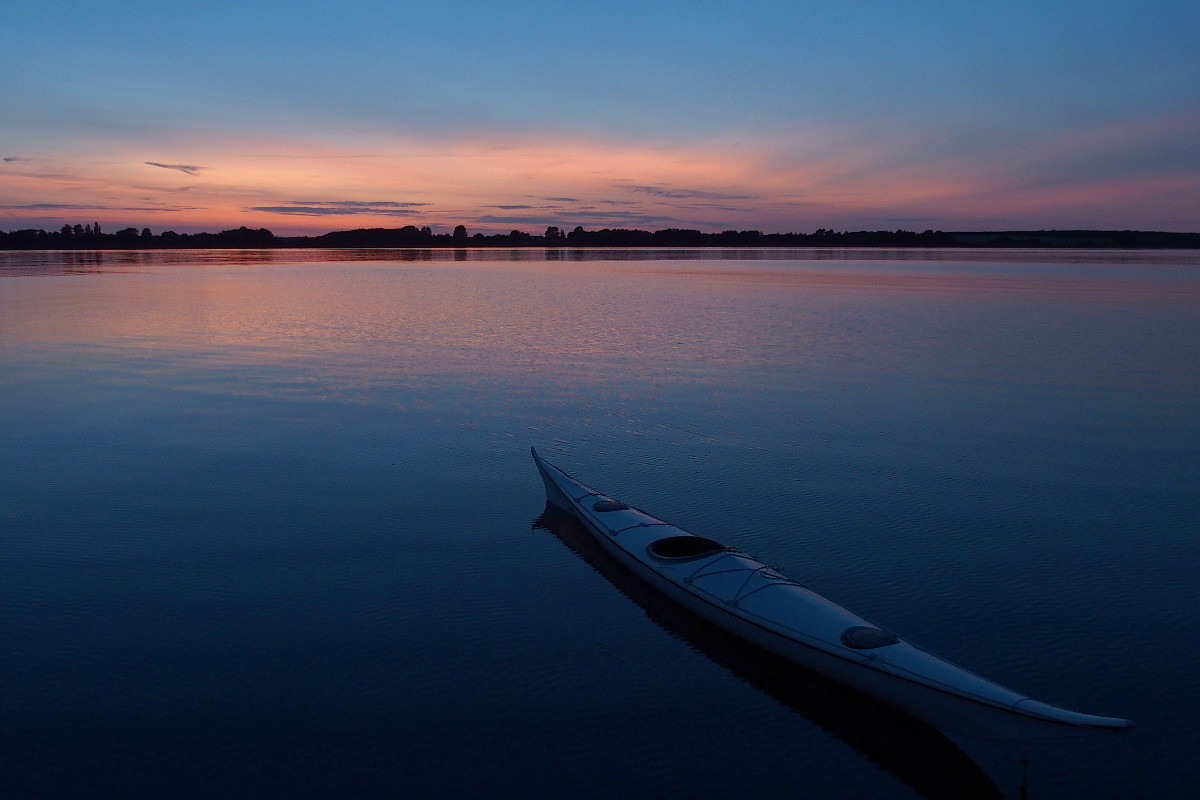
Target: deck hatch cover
{"points": [[862, 637]]}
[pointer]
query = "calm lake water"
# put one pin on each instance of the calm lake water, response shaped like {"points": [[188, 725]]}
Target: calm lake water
{"points": [[269, 527]]}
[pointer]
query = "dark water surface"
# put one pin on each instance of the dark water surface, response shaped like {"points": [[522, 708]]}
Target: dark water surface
{"points": [[269, 526]]}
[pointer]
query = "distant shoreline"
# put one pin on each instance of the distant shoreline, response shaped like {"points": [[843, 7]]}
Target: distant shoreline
{"points": [[91, 237]]}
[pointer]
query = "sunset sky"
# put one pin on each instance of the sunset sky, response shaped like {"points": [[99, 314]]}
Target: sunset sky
{"points": [[313, 116]]}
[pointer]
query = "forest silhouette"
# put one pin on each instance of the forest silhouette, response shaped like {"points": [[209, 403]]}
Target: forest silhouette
{"points": [[91, 237]]}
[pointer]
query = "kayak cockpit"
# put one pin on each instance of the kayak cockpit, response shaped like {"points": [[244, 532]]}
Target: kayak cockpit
{"points": [[677, 548]]}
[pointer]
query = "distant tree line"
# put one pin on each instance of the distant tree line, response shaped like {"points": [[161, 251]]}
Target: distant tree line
{"points": [[90, 237]]}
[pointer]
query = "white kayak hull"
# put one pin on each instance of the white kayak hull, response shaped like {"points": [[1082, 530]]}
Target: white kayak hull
{"points": [[741, 595]]}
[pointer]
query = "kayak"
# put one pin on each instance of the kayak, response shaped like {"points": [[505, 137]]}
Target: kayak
{"points": [[743, 596]]}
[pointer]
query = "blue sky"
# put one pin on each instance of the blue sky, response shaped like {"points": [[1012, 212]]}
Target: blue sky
{"points": [[778, 116]]}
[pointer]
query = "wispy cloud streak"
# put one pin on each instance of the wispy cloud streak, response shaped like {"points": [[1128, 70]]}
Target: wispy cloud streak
{"points": [[187, 169], [96, 208], [686, 194], [338, 208]]}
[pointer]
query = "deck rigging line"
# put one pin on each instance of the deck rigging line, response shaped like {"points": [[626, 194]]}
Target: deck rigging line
{"points": [[771, 577]]}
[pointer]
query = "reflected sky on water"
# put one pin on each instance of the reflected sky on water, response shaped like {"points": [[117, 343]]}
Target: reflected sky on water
{"points": [[266, 518]]}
